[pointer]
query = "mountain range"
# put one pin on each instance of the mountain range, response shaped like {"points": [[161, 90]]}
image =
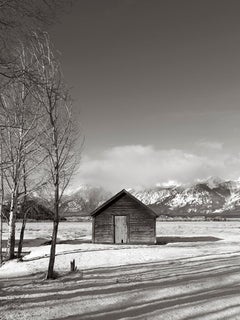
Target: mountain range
{"points": [[212, 196]]}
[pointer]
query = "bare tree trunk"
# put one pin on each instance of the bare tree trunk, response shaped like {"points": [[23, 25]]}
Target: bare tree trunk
{"points": [[20, 244], [50, 274], [24, 221], [11, 230]]}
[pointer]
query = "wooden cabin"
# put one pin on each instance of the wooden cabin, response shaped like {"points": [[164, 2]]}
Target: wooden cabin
{"points": [[124, 219]]}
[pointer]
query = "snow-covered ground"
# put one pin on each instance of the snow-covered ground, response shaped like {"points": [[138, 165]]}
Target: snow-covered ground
{"points": [[192, 277]]}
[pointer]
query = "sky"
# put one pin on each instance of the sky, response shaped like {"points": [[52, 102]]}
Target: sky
{"points": [[156, 92]]}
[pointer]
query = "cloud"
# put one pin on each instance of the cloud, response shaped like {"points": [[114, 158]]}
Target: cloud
{"points": [[145, 166], [215, 145]]}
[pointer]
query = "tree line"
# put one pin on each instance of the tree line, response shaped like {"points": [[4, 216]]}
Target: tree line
{"points": [[39, 141]]}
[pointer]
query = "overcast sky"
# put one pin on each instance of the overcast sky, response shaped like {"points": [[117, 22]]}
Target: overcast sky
{"points": [[156, 89]]}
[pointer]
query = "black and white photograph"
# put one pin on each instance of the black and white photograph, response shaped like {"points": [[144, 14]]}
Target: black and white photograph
{"points": [[120, 159]]}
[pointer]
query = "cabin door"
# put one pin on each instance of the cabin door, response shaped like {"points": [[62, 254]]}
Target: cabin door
{"points": [[121, 230]]}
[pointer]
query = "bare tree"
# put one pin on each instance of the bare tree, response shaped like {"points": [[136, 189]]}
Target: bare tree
{"points": [[60, 134], [19, 121], [17, 13], [18, 20]]}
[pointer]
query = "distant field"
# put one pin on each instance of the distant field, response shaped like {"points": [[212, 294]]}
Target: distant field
{"points": [[82, 231]]}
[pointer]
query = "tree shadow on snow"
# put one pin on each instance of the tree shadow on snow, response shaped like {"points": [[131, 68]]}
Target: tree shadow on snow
{"points": [[166, 240]]}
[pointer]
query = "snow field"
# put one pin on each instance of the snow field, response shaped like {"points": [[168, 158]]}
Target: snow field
{"points": [[178, 281]]}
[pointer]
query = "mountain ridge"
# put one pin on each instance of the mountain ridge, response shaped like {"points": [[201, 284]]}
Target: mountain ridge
{"points": [[212, 196]]}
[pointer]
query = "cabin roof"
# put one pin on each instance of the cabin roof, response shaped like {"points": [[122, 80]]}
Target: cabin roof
{"points": [[116, 197]]}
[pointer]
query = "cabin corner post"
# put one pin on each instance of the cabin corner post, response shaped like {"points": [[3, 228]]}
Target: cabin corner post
{"points": [[113, 226], [155, 232], [93, 229]]}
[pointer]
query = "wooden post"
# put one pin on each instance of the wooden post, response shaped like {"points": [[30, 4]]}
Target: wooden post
{"points": [[93, 229], [73, 268]]}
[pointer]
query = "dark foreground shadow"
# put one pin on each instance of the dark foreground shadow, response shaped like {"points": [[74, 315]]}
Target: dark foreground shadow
{"points": [[166, 240], [36, 242], [76, 241]]}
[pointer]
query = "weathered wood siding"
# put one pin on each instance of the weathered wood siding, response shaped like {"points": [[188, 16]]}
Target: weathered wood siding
{"points": [[141, 224]]}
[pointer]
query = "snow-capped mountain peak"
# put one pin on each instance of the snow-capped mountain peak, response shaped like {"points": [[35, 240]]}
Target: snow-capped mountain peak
{"points": [[213, 195]]}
